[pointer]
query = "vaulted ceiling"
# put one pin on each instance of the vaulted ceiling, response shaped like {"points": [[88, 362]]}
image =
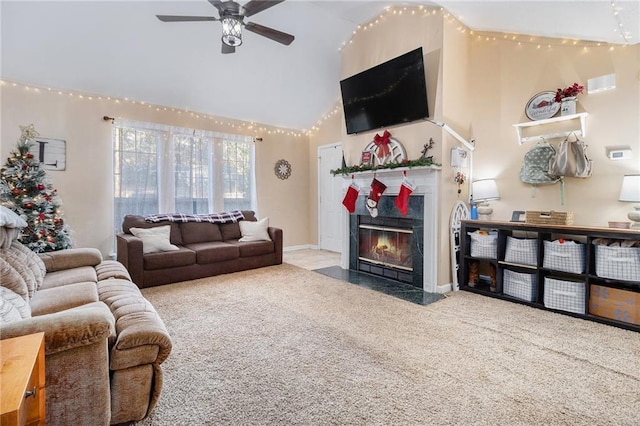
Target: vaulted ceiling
{"points": [[120, 49]]}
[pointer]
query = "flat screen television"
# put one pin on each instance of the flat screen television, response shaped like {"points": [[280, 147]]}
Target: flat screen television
{"points": [[391, 93]]}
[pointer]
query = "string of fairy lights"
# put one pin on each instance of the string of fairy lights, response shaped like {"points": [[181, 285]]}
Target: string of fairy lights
{"points": [[256, 130], [479, 36], [243, 127]]}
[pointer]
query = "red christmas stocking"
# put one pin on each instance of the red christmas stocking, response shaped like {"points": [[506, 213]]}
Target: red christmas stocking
{"points": [[377, 188], [351, 197], [402, 200]]}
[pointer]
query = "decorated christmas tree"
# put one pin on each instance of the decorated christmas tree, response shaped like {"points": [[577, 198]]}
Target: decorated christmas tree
{"points": [[27, 191]]}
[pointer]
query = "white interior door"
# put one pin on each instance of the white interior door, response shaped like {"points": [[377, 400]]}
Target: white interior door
{"points": [[329, 198]]}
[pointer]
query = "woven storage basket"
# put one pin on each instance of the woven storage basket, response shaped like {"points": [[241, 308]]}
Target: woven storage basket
{"points": [[548, 218], [566, 257], [522, 251], [564, 295], [520, 285], [619, 263], [484, 246]]}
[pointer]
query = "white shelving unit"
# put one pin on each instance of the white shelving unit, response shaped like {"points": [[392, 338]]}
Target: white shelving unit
{"points": [[580, 131]]}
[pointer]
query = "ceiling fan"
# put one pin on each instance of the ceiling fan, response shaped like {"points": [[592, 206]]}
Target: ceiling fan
{"points": [[232, 17]]}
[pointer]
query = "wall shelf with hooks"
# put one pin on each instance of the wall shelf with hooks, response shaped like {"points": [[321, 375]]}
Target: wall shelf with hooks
{"points": [[556, 127]]}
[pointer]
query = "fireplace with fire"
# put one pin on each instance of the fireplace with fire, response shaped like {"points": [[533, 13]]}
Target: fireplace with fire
{"points": [[385, 248], [390, 245]]}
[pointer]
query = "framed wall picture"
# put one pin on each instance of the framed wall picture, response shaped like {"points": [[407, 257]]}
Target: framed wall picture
{"points": [[518, 216], [365, 159], [52, 153]]}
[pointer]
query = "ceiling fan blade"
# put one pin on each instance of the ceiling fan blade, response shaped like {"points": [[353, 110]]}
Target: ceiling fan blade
{"points": [[228, 49], [255, 6], [172, 18], [267, 32]]}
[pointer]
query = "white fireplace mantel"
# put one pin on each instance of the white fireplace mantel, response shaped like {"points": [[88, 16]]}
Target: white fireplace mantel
{"points": [[425, 179]]}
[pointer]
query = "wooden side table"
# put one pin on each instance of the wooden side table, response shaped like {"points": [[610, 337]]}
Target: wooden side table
{"points": [[22, 380]]}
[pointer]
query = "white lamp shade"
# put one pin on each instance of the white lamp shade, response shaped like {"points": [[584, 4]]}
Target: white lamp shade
{"points": [[485, 190], [630, 191]]}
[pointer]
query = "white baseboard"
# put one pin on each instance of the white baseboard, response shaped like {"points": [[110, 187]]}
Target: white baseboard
{"points": [[303, 247], [444, 288]]}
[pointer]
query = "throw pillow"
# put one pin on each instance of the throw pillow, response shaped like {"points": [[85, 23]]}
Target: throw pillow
{"points": [[154, 239], [254, 231], [10, 219]]}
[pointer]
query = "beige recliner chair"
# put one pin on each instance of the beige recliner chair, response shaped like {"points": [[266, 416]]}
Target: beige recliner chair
{"points": [[104, 342]]}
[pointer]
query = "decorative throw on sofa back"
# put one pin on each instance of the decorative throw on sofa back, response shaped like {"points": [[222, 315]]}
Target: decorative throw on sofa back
{"points": [[224, 217]]}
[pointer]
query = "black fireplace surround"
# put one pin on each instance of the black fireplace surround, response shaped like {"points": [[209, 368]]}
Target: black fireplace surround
{"points": [[390, 216]]}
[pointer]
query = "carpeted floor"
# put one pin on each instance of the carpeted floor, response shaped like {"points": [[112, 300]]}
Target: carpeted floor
{"points": [[283, 345]]}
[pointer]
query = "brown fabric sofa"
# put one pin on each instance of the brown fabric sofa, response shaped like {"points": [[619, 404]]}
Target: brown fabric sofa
{"points": [[104, 342], [205, 249]]}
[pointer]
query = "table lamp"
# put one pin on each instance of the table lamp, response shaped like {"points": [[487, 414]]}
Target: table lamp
{"points": [[484, 190], [630, 193]]}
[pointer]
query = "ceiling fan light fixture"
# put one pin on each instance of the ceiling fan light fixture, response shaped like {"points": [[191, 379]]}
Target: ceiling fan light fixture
{"points": [[231, 32]]}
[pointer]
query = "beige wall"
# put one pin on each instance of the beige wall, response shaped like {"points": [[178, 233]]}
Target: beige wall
{"points": [[477, 86], [85, 187], [480, 88], [505, 75], [445, 72]]}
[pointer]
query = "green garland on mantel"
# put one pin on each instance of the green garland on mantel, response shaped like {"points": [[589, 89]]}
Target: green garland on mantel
{"points": [[420, 162]]}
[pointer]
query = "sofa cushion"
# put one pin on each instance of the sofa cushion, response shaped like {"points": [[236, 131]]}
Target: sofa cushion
{"points": [[169, 259], [18, 261], [69, 276], [142, 336], [70, 258], [255, 231], [230, 231], [33, 261], [197, 232], [254, 248], [249, 215], [12, 306], [112, 269], [8, 235], [11, 279], [214, 251], [154, 239], [135, 221], [56, 299]]}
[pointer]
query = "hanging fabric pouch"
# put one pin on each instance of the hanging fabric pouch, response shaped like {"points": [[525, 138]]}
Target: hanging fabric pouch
{"points": [[571, 159]]}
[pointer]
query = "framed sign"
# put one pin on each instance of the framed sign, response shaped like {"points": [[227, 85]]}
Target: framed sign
{"points": [[517, 216], [542, 106], [52, 153], [366, 158]]}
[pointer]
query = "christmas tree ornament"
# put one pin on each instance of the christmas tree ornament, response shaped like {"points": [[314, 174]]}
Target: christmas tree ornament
{"points": [[377, 189], [351, 196], [402, 200]]}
